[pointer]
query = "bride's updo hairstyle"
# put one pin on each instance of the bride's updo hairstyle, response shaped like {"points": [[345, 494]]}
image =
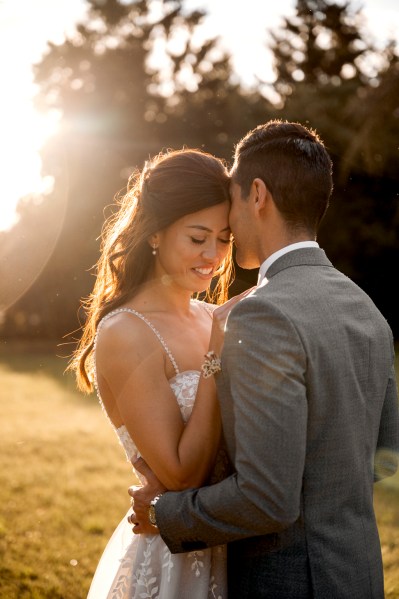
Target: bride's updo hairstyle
{"points": [[172, 185]]}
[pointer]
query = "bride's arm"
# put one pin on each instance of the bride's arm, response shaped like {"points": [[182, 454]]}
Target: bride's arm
{"points": [[131, 365], [142, 497]]}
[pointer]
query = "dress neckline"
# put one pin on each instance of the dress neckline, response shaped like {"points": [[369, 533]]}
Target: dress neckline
{"points": [[152, 327], [170, 381], [192, 370], [160, 338]]}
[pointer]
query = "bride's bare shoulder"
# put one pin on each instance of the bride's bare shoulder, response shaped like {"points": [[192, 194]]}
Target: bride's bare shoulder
{"points": [[123, 331]]}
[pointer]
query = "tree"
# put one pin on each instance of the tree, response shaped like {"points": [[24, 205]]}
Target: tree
{"points": [[320, 46], [331, 77], [374, 112], [116, 106]]}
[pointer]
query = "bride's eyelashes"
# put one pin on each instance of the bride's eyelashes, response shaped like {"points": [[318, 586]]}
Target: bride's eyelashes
{"points": [[201, 241]]}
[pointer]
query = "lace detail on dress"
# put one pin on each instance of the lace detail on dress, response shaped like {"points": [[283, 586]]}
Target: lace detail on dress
{"points": [[122, 432], [131, 451], [141, 566], [144, 568], [184, 386]]}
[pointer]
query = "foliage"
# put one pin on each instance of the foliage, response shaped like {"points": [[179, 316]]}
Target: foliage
{"points": [[331, 77], [138, 76], [116, 109], [321, 46], [375, 114]]}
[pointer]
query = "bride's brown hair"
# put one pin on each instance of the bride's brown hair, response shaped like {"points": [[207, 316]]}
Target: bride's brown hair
{"points": [[171, 185]]}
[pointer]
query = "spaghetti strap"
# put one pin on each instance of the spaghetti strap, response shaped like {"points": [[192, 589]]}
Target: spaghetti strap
{"points": [[147, 322]]}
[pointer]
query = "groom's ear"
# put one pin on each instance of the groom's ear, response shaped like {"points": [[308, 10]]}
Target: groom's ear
{"points": [[260, 194]]}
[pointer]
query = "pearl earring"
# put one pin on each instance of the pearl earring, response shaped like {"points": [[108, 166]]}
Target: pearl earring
{"points": [[154, 250]]}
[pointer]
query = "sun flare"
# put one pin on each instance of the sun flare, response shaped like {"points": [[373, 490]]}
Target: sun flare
{"points": [[23, 130], [23, 134]]}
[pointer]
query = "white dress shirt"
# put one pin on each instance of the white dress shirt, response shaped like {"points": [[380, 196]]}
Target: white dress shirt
{"points": [[288, 248]]}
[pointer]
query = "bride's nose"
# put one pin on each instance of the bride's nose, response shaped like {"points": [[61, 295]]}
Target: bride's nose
{"points": [[210, 253]]}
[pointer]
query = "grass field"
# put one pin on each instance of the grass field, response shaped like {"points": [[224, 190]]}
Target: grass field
{"points": [[64, 480]]}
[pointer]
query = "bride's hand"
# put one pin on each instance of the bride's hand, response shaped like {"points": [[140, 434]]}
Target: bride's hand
{"points": [[220, 315]]}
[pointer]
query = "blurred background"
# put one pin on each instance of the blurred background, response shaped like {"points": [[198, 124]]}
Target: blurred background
{"points": [[120, 80], [90, 90]]}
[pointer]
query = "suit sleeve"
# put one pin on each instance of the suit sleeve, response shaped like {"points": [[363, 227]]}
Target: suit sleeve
{"points": [[263, 370]]}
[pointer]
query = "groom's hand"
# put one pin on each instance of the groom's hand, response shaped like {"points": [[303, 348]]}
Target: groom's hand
{"points": [[141, 497]]}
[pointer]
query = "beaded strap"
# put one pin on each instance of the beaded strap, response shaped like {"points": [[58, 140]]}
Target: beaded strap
{"points": [[144, 319]]}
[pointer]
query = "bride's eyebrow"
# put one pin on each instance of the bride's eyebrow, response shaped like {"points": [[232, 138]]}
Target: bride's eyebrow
{"points": [[202, 228]]}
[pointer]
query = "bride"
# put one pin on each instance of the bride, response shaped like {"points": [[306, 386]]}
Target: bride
{"points": [[146, 342]]}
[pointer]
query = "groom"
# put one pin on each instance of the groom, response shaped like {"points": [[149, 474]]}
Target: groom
{"points": [[307, 394]]}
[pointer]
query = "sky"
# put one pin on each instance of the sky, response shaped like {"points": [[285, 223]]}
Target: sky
{"points": [[26, 26]]}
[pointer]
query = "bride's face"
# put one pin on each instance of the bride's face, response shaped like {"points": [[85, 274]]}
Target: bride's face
{"points": [[191, 249]]}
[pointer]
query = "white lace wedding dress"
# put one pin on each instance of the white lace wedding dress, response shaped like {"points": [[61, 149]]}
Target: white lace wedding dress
{"points": [[141, 566]]}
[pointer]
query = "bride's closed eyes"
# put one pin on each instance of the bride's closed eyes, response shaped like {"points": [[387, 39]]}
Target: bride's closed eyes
{"points": [[201, 241]]}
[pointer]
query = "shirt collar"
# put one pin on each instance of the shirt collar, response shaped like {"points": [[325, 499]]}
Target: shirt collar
{"points": [[288, 248]]}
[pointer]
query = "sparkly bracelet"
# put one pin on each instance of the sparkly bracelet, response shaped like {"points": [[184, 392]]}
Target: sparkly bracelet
{"points": [[212, 365]]}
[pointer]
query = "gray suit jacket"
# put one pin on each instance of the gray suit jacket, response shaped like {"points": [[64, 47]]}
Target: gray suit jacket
{"points": [[308, 395]]}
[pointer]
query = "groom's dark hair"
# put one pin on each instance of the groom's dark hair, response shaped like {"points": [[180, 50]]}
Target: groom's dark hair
{"points": [[295, 166]]}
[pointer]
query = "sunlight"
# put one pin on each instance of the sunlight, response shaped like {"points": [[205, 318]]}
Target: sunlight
{"points": [[24, 132], [23, 129]]}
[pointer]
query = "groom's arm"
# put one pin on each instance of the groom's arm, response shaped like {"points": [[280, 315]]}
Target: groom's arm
{"points": [[267, 418]]}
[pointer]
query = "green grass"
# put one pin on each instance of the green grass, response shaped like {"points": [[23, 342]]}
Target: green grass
{"points": [[64, 480]]}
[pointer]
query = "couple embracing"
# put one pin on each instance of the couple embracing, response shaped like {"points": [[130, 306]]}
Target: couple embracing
{"points": [[256, 425]]}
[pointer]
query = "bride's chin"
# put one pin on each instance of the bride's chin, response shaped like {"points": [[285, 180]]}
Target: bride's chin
{"points": [[193, 288], [201, 289]]}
